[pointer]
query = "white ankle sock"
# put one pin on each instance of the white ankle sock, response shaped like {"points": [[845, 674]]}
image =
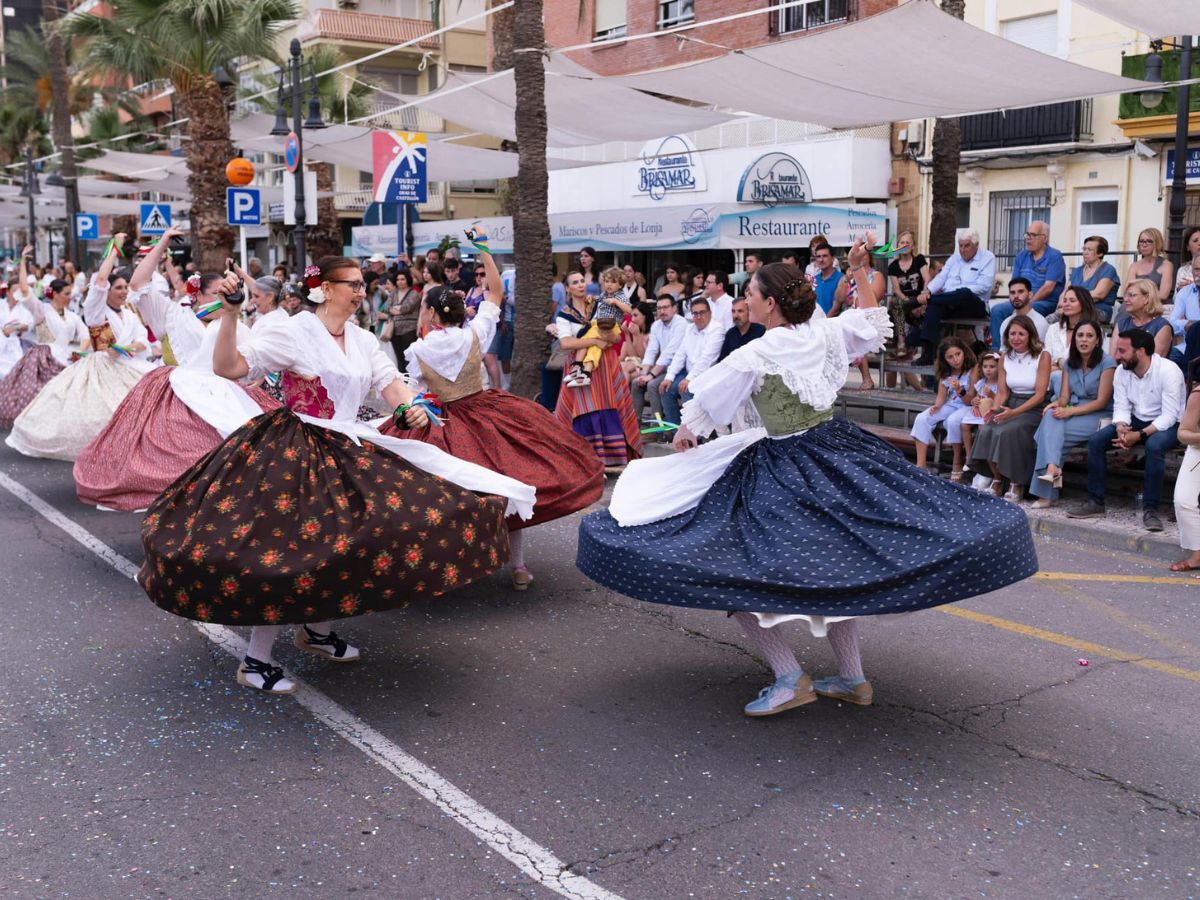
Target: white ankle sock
{"points": [[843, 638], [262, 639], [769, 644], [516, 548]]}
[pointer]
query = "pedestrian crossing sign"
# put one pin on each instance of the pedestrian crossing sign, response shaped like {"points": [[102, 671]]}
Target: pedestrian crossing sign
{"points": [[156, 218]]}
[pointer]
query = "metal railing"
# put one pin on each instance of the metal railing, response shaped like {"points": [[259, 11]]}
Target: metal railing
{"points": [[357, 200], [1054, 123], [803, 15], [412, 118]]}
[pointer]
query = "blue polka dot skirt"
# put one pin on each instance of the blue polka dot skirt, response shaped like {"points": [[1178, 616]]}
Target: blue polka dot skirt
{"points": [[830, 522]]}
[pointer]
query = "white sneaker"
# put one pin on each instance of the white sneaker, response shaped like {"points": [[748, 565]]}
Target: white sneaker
{"points": [[982, 482]]}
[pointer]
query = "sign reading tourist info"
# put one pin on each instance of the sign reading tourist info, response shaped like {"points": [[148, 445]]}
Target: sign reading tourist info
{"points": [[720, 226], [399, 162]]}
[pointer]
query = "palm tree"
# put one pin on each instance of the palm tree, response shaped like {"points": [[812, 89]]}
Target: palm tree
{"points": [[27, 74], [947, 137], [20, 126], [519, 29], [184, 42]]}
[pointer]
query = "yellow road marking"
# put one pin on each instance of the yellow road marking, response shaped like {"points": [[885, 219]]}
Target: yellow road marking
{"points": [[1063, 640], [1119, 579]]}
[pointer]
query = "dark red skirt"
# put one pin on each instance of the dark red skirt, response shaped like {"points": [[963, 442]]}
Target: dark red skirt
{"points": [[151, 440], [23, 382], [287, 522], [518, 438]]}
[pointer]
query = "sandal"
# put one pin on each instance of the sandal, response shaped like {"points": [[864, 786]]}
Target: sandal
{"points": [[1184, 566], [327, 646], [956, 475], [262, 676], [997, 487], [521, 578]]}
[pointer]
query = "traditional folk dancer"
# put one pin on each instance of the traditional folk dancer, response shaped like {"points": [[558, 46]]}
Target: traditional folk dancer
{"points": [[492, 427], [16, 333], [77, 403], [176, 414], [64, 335], [306, 514], [798, 515]]}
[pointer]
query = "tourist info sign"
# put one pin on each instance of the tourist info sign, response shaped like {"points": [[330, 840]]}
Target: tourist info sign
{"points": [[399, 158]]}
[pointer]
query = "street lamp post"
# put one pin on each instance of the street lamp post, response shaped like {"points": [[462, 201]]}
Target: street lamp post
{"points": [[1150, 100], [30, 188], [290, 79]]}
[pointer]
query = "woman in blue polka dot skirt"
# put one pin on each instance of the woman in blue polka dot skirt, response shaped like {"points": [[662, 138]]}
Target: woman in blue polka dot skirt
{"points": [[797, 515]]}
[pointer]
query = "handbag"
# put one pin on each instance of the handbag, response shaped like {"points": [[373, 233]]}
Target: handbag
{"points": [[385, 333], [558, 357]]}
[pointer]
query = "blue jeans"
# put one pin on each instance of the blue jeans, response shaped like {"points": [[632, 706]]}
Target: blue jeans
{"points": [[551, 385], [1002, 311], [672, 400], [1157, 446]]}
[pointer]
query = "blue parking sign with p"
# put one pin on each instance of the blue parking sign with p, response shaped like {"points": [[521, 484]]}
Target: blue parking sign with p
{"points": [[87, 227], [243, 206]]}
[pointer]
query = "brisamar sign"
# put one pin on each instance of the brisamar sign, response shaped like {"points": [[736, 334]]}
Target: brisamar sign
{"points": [[669, 166], [775, 178]]}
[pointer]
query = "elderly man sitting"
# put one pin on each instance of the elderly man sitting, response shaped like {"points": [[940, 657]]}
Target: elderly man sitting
{"points": [[961, 289], [1185, 319]]}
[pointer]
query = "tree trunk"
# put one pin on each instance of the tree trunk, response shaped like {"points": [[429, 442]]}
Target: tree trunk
{"points": [[946, 145], [61, 119], [208, 151], [531, 226], [324, 237]]}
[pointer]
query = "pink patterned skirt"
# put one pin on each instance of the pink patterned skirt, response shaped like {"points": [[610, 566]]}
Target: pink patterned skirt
{"points": [[25, 381], [150, 441]]}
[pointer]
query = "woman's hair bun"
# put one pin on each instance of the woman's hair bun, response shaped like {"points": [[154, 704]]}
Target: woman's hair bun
{"points": [[791, 290]]}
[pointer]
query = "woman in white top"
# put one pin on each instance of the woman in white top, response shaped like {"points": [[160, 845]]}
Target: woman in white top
{"points": [[798, 515], [306, 514], [17, 326], [492, 427], [1074, 306], [63, 337], [77, 403], [176, 414], [1005, 441]]}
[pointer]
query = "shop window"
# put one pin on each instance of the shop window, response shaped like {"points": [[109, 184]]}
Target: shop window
{"points": [[1009, 215]]}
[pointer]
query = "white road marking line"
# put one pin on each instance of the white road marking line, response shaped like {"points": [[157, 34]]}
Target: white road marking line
{"points": [[534, 860]]}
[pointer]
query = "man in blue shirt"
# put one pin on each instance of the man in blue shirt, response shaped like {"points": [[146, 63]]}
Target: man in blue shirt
{"points": [[1043, 267], [828, 275], [960, 290]]}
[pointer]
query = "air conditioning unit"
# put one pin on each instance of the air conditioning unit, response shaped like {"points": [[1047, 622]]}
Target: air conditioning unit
{"points": [[915, 134]]}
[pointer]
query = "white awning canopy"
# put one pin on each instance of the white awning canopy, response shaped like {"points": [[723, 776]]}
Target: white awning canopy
{"points": [[142, 166], [350, 146], [909, 62], [1156, 18], [582, 108]]}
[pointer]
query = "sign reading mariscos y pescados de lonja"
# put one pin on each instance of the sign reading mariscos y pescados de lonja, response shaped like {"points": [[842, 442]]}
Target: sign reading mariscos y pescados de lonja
{"points": [[669, 166], [775, 178]]}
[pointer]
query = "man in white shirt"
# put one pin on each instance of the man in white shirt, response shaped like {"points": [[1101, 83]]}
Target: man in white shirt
{"points": [[960, 290], [666, 334], [698, 352], [1020, 297], [1148, 399], [716, 287]]}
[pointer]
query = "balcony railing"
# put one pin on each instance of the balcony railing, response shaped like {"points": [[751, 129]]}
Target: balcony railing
{"points": [[1054, 123], [804, 15], [356, 201], [412, 118]]}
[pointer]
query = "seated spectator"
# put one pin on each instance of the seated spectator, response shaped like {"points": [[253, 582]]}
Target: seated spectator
{"points": [[716, 291], [908, 274], [1020, 301], [634, 292], [1143, 310], [697, 354], [1005, 441], [1083, 393], [826, 278], [743, 330], [1185, 319], [953, 370], [671, 283], [1074, 306], [1191, 248], [1151, 263], [979, 401], [1148, 397], [636, 332], [1043, 265], [1098, 276], [1187, 482], [666, 334], [960, 289], [695, 288]]}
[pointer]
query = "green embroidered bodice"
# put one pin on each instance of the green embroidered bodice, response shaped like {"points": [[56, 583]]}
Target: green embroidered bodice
{"points": [[782, 412]]}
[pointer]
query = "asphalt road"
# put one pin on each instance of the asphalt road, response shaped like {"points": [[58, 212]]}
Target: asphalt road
{"points": [[569, 741]]}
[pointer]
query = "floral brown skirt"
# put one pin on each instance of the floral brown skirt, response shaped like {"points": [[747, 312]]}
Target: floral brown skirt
{"points": [[288, 522]]}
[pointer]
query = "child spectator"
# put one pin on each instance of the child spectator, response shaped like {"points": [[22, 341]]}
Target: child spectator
{"points": [[978, 402], [953, 369], [611, 309]]}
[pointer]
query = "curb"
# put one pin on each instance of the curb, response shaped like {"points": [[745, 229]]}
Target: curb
{"points": [[1098, 537]]}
